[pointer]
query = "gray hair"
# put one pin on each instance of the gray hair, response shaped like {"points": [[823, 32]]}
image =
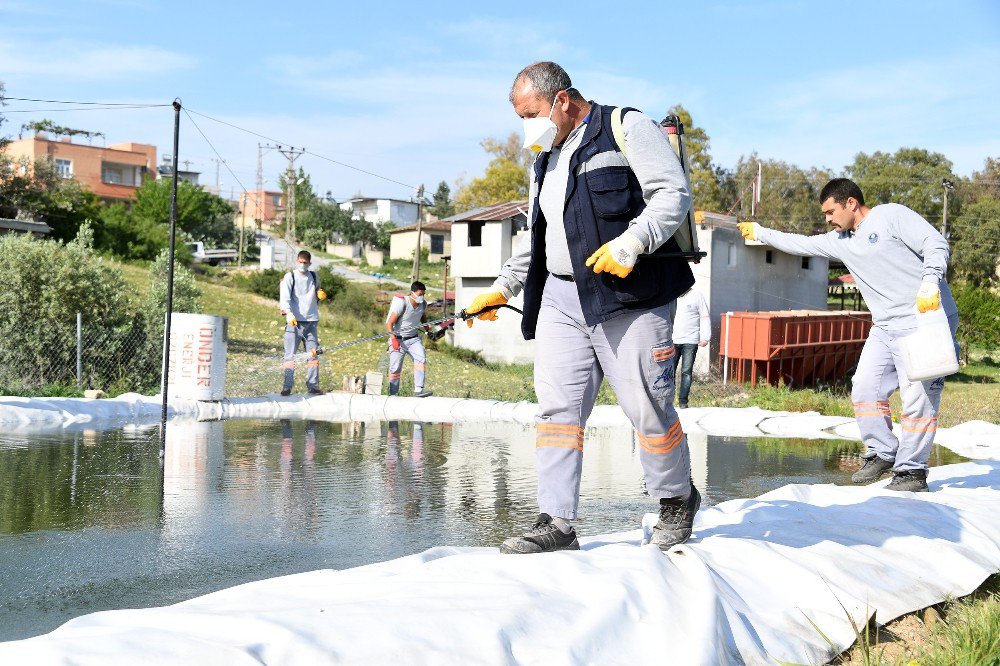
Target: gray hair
{"points": [[546, 79]]}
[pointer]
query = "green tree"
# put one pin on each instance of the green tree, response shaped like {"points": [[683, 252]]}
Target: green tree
{"points": [[3, 139], [40, 193], [202, 215], [910, 176], [706, 189], [506, 177], [975, 241], [789, 198], [443, 207]]}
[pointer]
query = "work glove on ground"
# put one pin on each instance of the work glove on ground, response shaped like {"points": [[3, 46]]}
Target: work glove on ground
{"points": [[617, 257], [928, 297], [290, 318], [320, 295], [394, 341], [485, 300], [750, 230]]}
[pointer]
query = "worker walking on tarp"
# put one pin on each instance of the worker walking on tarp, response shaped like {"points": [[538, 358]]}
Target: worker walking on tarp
{"points": [[300, 293], [594, 307], [406, 314], [692, 329], [899, 261]]}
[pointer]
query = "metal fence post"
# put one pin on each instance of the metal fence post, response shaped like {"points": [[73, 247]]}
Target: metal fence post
{"points": [[79, 350]]}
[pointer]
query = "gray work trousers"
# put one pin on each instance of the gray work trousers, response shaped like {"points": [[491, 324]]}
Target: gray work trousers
{"points": [[880, 371], [306, 332], [635, 352], [415, 348]]}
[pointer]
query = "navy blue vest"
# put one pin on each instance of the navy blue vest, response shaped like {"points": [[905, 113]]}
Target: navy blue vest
{"points": [[600, 203]]}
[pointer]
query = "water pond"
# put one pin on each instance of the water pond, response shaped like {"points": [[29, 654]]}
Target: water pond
{"points": [[91, 520]]}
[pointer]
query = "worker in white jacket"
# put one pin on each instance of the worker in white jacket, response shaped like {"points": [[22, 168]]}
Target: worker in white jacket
{"points": [[692, 329]]}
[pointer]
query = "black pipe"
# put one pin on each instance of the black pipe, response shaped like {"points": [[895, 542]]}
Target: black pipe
{"points": [[170, 283]]}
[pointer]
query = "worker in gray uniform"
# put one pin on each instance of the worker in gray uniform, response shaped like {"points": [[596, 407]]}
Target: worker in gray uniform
{"points": [[594, 306], [899, 262], [406, 314], [299, 296]]}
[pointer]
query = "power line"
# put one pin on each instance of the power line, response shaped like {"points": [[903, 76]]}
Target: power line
{"points": [[317, 155], [61, 101]]}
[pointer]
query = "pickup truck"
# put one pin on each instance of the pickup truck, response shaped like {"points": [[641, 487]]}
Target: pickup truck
{"points": [[211, 257]]}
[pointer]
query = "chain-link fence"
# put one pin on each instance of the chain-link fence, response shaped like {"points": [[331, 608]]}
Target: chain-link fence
{"points": [[82, 355]]}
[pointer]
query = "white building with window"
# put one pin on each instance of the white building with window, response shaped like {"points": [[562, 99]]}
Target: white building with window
{"points": [[735, 276], [401, 212], [435, 237]]}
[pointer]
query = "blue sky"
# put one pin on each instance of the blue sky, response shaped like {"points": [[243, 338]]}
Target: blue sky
{"points": [[408, 90]]}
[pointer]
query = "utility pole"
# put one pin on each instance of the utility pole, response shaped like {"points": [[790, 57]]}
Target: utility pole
{"points": [[948, 185], [218, 190], [420, 224], [291, 154]]}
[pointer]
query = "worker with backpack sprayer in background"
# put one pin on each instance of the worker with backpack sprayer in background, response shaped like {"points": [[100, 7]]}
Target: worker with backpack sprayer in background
{"points": [[300, 293], [406, 314]]}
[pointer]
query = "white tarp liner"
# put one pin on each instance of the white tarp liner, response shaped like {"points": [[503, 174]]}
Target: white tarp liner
{"points": [[747, 587], [975, 439]]}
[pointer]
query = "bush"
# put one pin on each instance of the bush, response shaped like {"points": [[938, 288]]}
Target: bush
{"points": [[333, 283], [264, 283], [315, 238], [358, 302], [45, 284], [978, 316]]}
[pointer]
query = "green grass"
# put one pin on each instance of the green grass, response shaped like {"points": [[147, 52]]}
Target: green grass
{"points": [[256, 330]]}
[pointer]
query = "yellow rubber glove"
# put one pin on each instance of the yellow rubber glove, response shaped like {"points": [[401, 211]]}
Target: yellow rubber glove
{"points": [[485, 300], [320, 295], [617, 257], [292, 321], [928, 297], [749, 230]]}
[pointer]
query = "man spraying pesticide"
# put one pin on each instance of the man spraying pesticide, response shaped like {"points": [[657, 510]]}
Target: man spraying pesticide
{"points": [[406, 314], [300, 296]]}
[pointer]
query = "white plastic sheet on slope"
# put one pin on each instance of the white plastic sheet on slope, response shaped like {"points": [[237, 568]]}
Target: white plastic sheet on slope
{"points": [[745, 588]]}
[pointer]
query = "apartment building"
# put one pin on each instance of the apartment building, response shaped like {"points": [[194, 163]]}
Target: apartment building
{"points": [[113, 172]]}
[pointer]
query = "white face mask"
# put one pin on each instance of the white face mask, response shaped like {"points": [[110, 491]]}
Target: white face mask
{"points": [[539, 133], [418, 299], [302, 267]]}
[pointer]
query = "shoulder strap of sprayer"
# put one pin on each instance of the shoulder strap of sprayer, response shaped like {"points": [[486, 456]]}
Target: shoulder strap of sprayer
{"points": [[686, 235]]}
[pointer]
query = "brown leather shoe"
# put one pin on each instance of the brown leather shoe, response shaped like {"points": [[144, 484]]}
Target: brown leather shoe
{"points": [[317, 391]]}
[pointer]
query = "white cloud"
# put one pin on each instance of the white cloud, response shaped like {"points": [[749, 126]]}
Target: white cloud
{"points": [[73, 60]]}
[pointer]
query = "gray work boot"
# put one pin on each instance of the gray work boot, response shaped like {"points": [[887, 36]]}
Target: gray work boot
{"points": [[422, 393], [875, 468], [912, 480], [543, 537], [676, 519]]}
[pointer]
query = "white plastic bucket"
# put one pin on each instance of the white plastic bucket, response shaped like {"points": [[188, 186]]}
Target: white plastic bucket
{"points": [[929, 352], [198, 345]]}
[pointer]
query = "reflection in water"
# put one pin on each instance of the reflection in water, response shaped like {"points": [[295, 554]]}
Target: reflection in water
{"points": [[88, 521]]}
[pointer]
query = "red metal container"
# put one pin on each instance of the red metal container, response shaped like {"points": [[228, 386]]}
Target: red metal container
{"points": [[794, 347]]}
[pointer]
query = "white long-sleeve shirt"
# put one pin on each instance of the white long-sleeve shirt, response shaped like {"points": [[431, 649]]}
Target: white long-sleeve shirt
{"points": [[692, 323], [889, 254], [300, 301]]}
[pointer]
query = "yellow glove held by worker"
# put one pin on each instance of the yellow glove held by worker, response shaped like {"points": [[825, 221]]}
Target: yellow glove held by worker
{"points": [[617, 257], [749, 230], [485, 300], [320, 295], [928, 297], [292, 321]]}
